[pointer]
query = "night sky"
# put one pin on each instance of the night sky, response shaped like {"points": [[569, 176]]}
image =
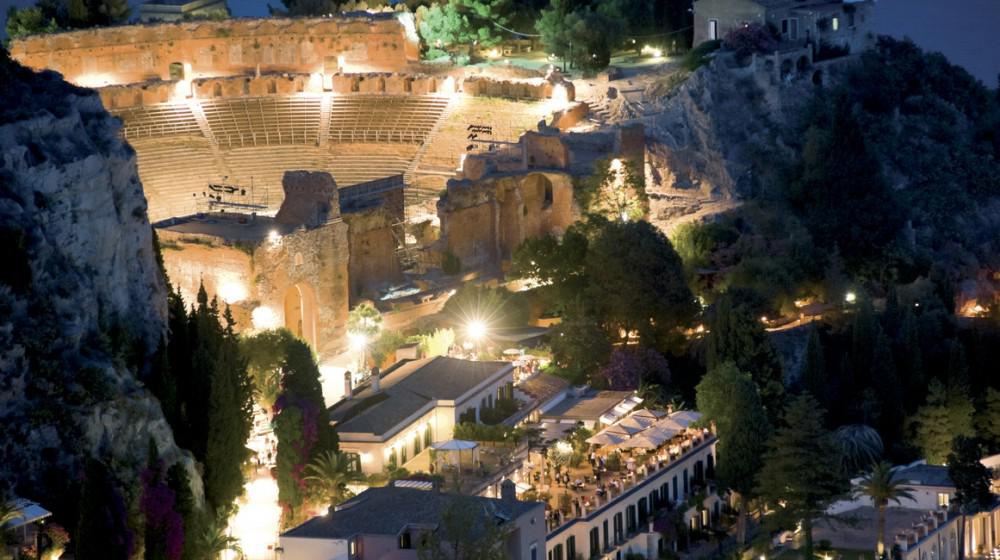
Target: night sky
{"points": [[964, 30]]}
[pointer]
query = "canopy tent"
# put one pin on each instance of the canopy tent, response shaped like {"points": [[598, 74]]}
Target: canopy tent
{"points": [[636, 422], [26, 513], [458, 446], [454, 445], [670, 424]]}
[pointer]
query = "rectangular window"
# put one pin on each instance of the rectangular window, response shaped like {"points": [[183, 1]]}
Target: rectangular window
{"points": [[784, 27], [793, 29], [713, 29], [642, 510], [557, 552], [571, 548], [533, 551], [944, 500], [835, 23], [618, 528], [416, 446], [606, 542], [675, 488], [402, 455], [354, 549], [392, 458], [685, 480], [595, 542], [630, 520], [404, 541], [427, 436]]}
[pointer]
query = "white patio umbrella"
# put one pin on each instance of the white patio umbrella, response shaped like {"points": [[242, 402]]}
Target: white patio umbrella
{"points": [[607, 438], [643, 441], [652, 414], [638, 423], [685, 417]]}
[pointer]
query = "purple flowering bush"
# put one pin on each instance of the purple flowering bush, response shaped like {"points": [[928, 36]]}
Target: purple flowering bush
{"points": [[628, 366]]}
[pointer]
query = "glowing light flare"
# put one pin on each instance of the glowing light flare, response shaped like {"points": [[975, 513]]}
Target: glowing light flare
{"points": [[95, 79], [255, 523], [264, 318], [315, 82], [560, 96], [358, 340], [448, 86], [232, 291], [274, 238], [476, 330], [850, 297], [564, 447], [652, 51]]}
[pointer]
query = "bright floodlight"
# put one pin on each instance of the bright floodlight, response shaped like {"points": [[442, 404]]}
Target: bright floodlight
{"points": [[358, 340], [476, 330], [851, 297]]}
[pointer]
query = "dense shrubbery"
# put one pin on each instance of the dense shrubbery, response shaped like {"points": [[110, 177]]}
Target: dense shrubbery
{"points": [[750, 38]]}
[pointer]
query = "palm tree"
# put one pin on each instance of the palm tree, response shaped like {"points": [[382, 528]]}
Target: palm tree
{"points": [[651, 394], [215, 540], [860, 446], [882, 489], [331, 472]]}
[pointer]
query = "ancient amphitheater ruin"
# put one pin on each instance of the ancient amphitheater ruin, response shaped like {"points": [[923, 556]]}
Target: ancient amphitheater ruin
{"points": [[427, 160]]}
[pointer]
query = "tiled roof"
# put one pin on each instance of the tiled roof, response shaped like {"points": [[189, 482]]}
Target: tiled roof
{"points": [[924, 475], [407, 389], [389, 510]]}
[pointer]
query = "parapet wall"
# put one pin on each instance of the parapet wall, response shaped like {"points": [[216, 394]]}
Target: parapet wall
{"points": [[138, 53]]}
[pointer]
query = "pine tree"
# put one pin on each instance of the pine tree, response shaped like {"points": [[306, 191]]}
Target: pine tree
{"points": [[737, 336], [864, 333], [958, 368], [801, 475]]}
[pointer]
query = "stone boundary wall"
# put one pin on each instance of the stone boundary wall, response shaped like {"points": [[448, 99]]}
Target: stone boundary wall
{"points": [[139, 53], [527, 88]]}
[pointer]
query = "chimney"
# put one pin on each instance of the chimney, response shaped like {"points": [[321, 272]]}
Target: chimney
{"points": [[375, 379], [348, 393], [508, 491]]}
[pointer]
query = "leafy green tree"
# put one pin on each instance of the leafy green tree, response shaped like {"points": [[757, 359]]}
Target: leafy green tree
{"points": [[581, 35], [616, 190], [215, 539], [579, 345], [841, 193], [879, 486], [801, 475], [330, 473], [946, 415], [636, 281], [230, 419], [388, 342], [28, 21], [452, 23], [265, 352], [736, 335], [729, 398], [557, 265], [437, 343], [989, 419], [466, 532]]}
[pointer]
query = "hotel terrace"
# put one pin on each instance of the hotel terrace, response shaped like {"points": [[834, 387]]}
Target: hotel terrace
{"points": [[641, 463]]}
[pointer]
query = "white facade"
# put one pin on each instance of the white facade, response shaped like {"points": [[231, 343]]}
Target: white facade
{"points": [[619, 525]]}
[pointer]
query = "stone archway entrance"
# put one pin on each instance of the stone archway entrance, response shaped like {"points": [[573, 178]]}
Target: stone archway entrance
{"points": [[300, 312]]}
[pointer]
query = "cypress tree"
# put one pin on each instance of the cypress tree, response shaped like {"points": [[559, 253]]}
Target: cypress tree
{"points": [[909, 358], [230, 418], [887, 389], [102, 530], [814, 378], [738, 336]]}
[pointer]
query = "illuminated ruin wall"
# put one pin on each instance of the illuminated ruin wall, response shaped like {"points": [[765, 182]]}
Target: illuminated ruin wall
{"points": [[140, 53], [503, 198]]}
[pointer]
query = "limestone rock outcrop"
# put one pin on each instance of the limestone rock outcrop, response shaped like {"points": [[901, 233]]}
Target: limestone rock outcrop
{"points": [[82, 299]]}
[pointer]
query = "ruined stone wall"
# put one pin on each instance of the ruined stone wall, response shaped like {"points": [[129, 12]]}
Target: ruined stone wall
{"points": [[483, 222], [373, 263], [279, 85], [525, 88], [312, 263], [138, 53]]}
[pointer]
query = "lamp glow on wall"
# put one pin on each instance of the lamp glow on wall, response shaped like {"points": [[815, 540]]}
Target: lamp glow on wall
{"points": [[560, 96], [232, 291], [264, 318]]}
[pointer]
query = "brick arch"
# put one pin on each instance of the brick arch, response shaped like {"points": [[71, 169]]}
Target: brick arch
{"points": [[300, 311]]}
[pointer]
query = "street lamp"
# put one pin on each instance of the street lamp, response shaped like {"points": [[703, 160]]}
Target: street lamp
{"points": [[850, 297], [358, 342], [476, 330]]}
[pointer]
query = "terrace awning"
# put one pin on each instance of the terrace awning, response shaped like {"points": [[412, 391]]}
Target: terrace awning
{"points": [[454, 445], [685, 417]]}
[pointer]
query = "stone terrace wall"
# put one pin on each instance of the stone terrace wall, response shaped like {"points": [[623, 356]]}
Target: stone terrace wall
{"points": [[138, 53]]}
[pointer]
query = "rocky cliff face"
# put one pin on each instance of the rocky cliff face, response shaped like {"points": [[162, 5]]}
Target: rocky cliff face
{"points": [[708, 136], [82, 300]]}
